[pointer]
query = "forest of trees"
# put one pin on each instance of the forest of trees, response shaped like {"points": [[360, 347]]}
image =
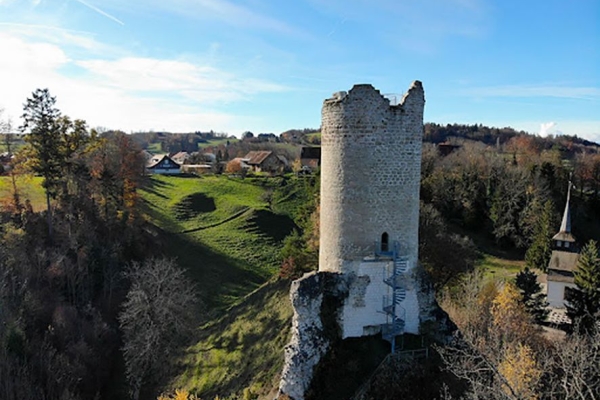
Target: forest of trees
{"points": [[508, 199], [71, 293]]}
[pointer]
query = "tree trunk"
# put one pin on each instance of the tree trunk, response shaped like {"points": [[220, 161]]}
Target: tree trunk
{"points": [[49, 216]]}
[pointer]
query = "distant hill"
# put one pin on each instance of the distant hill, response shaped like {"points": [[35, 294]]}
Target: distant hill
{"points": [[436, 133]]}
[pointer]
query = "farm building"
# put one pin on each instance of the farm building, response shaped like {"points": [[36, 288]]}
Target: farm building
{"points": [[163, 164]]}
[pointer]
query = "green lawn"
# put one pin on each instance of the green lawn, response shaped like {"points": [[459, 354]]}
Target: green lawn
{"points": [[29, 188], [216, 142], [154, 148], [220, 229], [241, 354], [227, 233], [500, 269]]}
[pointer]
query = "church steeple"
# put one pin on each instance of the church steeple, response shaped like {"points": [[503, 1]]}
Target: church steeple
{"points": [[564, 237]]}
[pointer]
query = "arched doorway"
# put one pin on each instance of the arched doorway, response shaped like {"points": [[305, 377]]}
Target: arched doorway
{"points": [[385, 242]]}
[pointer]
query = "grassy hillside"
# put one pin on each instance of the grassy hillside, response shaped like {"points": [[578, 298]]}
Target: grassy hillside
{"points": [[500, 269], [241, 354], [220, 229], [228, 233]]}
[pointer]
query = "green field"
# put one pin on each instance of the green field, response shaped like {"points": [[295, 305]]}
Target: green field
{"points": [[241, 354], [226, 234], [220, 229], [29, 188], [216, 142], [155, 148], [499, 269], [16, 143]]}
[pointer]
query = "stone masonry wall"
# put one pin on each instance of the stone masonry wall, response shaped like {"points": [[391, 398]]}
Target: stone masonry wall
{"points": [[370, 174], [370, 179]]}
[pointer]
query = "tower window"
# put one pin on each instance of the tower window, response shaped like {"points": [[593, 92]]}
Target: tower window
{"points": [[385, 242]]}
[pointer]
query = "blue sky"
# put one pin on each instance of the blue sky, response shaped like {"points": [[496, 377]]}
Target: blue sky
{"points": [[267, 65]]}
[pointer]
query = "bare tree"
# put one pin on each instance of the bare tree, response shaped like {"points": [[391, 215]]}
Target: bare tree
{"points": [[575, 366], [500, 354], [158, 314]]}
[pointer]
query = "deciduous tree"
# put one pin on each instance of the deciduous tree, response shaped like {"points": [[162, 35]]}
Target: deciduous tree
{"points": [[158, 314]]}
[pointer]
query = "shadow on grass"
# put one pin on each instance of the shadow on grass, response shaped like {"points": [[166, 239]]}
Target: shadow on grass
{"points": [[244, 346], [192, 205], [153, 186], [275, 226], [221, 280]]}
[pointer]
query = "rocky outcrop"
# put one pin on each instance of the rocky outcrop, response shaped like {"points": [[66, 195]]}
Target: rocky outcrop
{"points": [[317, 299]]}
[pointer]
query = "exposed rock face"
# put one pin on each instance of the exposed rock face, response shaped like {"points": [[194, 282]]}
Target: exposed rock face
{"points": [[316, 299]]}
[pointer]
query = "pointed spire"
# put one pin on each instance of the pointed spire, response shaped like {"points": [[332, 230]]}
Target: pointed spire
{"points": [[565, 225], [564, 233]]}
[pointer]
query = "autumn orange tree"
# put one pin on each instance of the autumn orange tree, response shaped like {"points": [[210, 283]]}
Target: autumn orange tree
{"points": [[496, 351]]}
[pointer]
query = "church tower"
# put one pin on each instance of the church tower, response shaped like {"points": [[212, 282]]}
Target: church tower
{"points": [[563, 261]]}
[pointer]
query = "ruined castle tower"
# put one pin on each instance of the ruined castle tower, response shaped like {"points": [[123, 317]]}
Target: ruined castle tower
{"points": [[370, 177]]}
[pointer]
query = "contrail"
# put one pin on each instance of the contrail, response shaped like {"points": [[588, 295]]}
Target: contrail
{"points": [[99, 11]]}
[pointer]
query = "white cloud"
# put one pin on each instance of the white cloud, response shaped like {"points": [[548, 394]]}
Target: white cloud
{"points": [[547, 128], [64, 38], [199, 83], [229, 12], [128, 93]]}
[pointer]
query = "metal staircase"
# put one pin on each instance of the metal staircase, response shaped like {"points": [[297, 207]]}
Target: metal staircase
{"points": [[395, 313]]}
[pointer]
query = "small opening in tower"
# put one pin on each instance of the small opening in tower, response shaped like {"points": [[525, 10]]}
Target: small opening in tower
{"points": [[385, 242]]}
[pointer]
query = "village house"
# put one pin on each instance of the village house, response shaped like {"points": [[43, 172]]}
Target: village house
{"points": [[163, 164], [181, 158], [265, 161], [5, 161], [310, 158], [563, 261], [147, 155]]}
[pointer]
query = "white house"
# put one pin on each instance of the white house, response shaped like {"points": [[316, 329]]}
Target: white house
{"points": [[163, 164]]}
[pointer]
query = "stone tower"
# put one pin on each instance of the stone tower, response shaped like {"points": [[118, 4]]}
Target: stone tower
{"points": [[366, 283], [370, 175]]}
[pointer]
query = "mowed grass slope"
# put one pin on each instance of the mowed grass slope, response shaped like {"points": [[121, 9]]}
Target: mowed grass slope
{"points": [[220, 229], [241, 354], [223, 231]]}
